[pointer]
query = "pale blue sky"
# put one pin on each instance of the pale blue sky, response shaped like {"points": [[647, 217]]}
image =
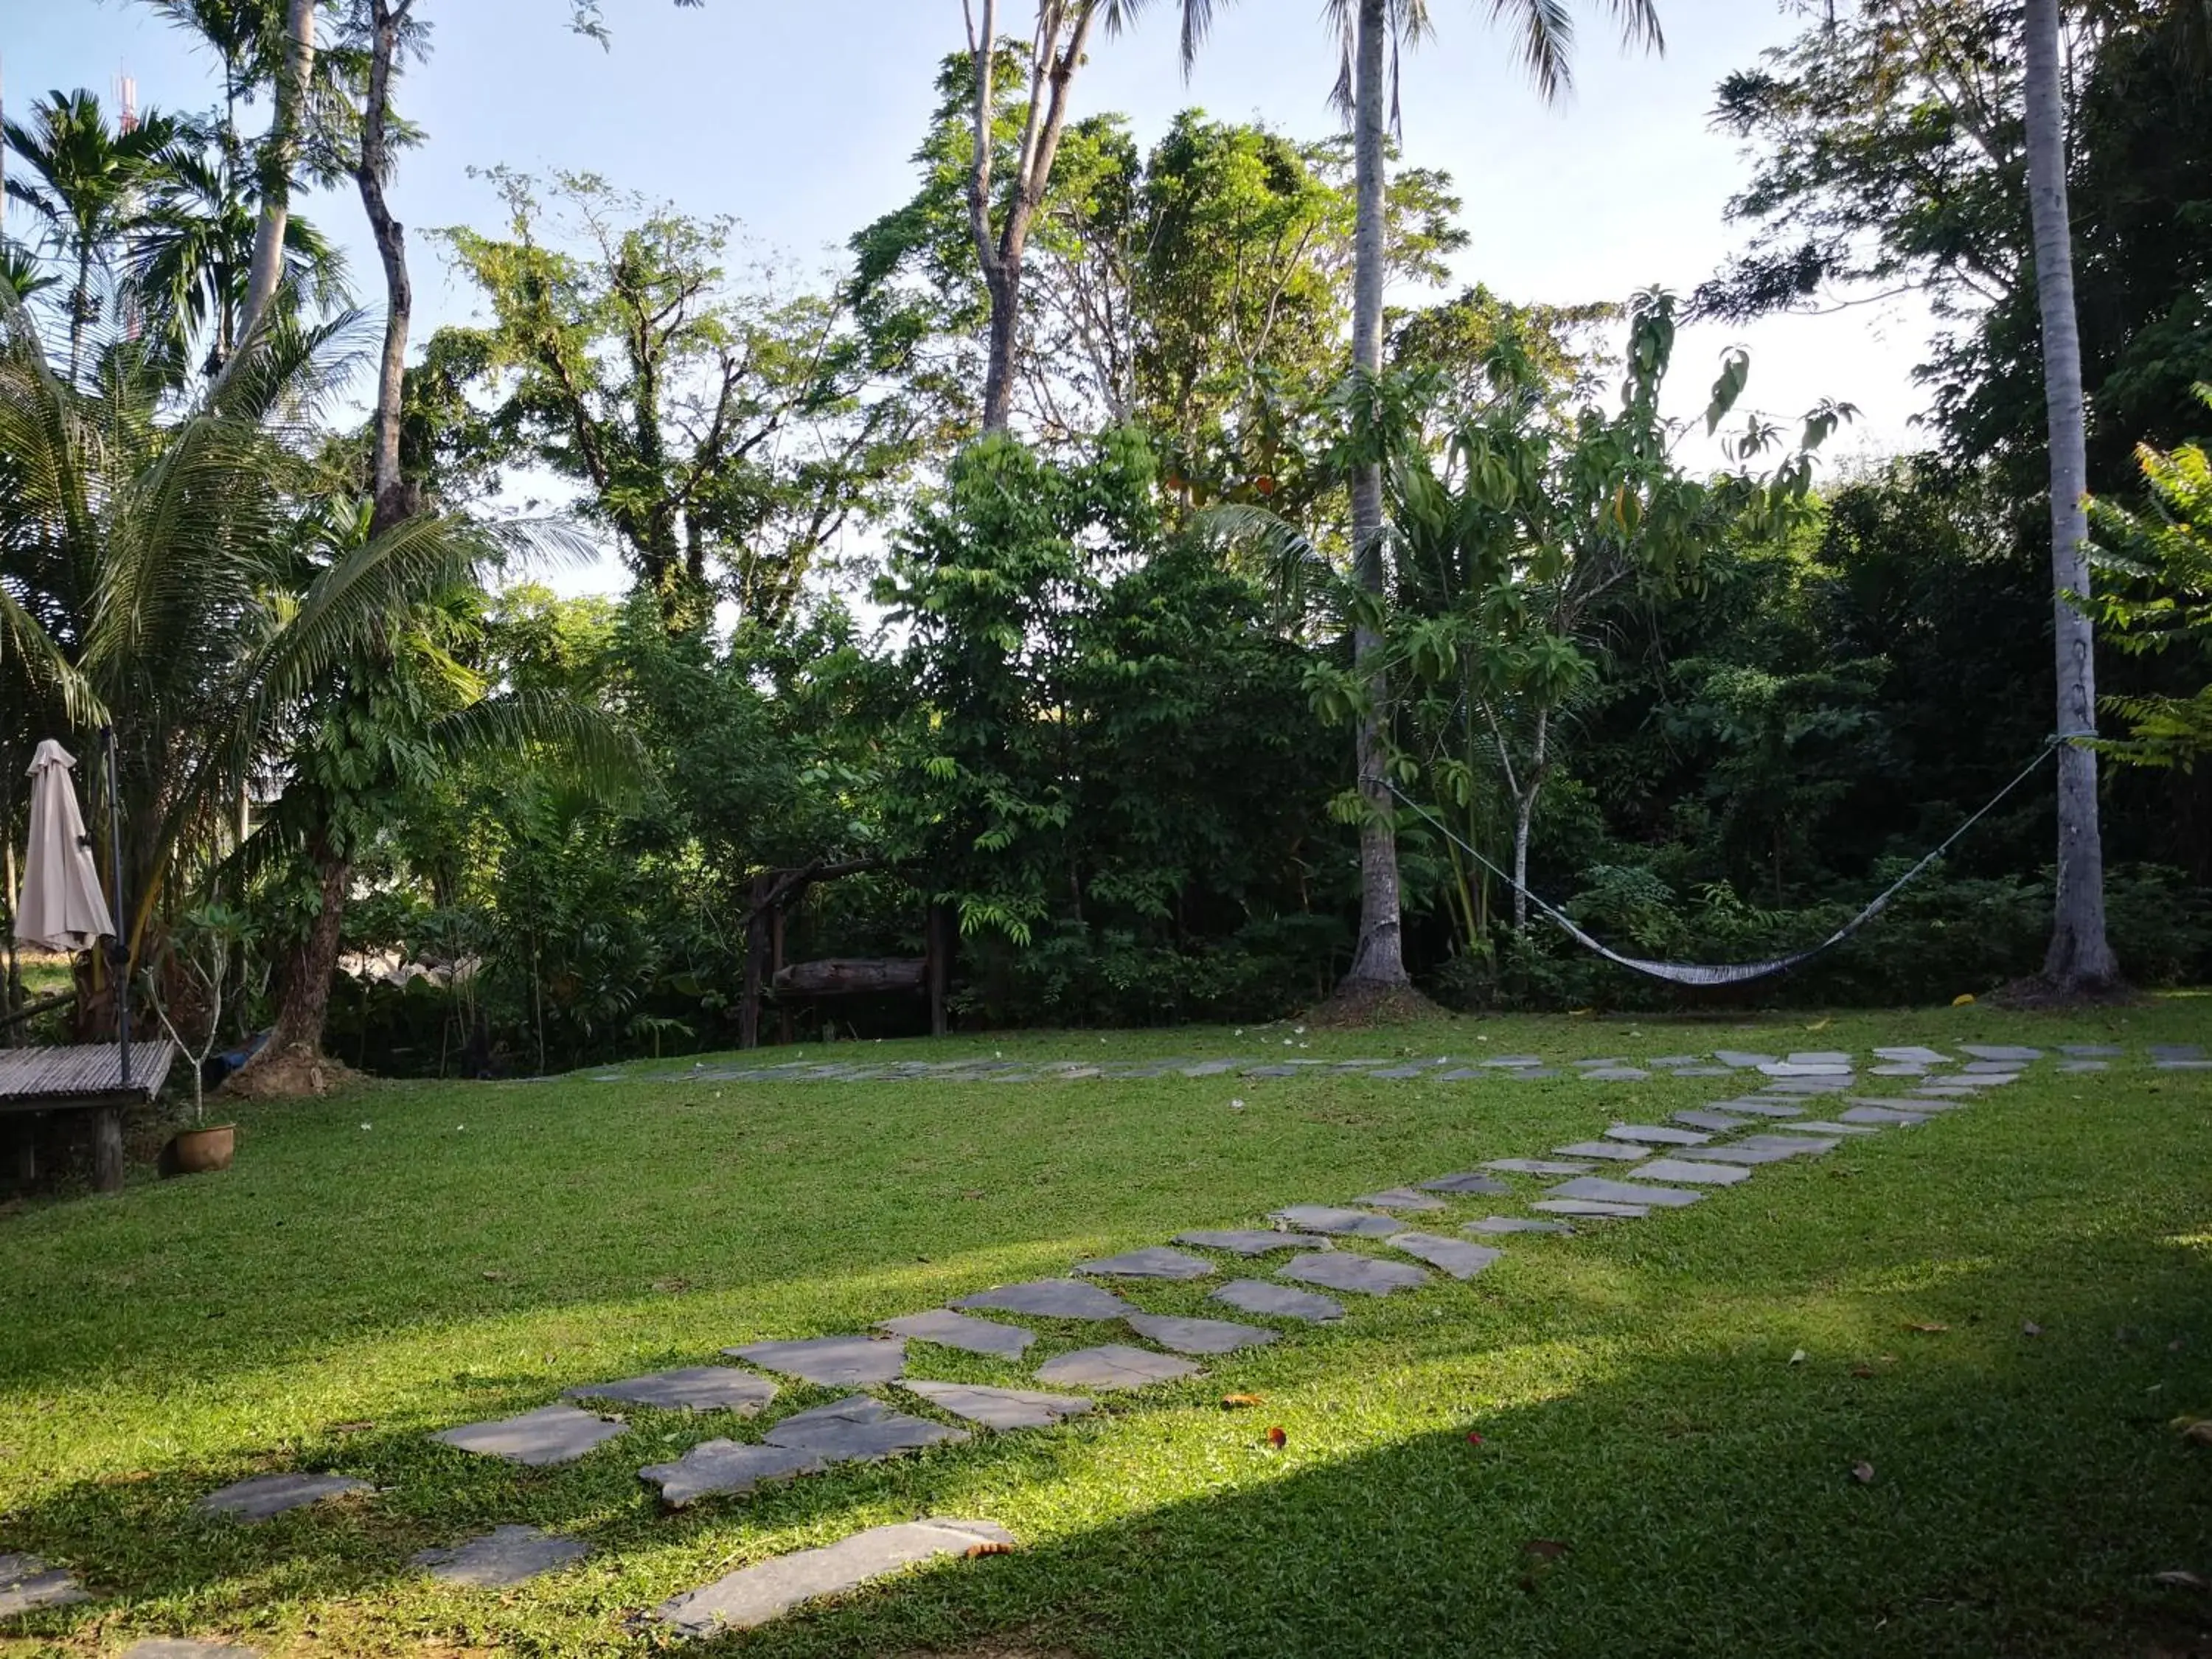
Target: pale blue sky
{"points": [[799, 118]]}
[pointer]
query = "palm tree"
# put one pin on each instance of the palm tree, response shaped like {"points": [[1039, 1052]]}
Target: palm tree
{"points": [[280, 153], [1372, 33], [2080, 959]]}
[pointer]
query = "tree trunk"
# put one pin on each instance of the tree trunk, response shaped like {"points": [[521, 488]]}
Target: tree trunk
{"points": [[278, 153], [2079, 959], [1005, 291], [1380, 958], [388, 490], [291, 1061]]}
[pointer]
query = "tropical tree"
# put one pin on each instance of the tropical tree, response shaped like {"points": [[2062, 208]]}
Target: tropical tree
{"points": [[390, 30], [279, 158]]}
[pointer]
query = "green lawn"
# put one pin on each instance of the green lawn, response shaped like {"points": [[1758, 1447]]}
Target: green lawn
{"points": [[412, 1256]]}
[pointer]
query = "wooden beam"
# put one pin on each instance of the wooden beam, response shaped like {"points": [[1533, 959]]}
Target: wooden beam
{"points": [[107, 1149], [844, 976]]}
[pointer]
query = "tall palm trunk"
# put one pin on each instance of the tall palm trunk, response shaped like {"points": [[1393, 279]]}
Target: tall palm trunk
{"points": [[388, 490], [1380, 958], [279, 154], [2079, 957]]}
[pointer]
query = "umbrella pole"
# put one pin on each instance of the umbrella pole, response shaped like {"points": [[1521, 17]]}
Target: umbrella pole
{"points": [[119, 951]]}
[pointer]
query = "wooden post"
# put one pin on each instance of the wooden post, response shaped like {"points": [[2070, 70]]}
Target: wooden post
{"points": [[107, 1149], [939, 948], [775, 967], [748, 1010], [26, 1151]]}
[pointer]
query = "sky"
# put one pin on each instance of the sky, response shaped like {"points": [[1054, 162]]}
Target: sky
{"points": [[798, 118]]}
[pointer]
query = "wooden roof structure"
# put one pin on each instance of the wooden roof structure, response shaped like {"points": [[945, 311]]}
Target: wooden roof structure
{"points": [[83, 1074]]}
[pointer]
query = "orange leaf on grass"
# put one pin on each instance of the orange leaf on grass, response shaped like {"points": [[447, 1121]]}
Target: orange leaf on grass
{"points": [[1277, 1438], [1233, 1402]]}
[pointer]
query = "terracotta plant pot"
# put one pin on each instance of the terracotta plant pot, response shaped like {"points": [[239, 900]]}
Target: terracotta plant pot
{"points": [[196, 1151]]}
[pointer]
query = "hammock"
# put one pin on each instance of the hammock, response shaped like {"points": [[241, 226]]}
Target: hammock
{"points": [[1741, 973]]}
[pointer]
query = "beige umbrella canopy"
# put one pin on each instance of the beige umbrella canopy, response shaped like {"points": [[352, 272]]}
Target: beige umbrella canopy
{"points": [[61, 907]]}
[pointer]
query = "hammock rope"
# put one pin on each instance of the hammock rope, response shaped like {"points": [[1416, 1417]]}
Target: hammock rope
{"points": [[1685, 973]]}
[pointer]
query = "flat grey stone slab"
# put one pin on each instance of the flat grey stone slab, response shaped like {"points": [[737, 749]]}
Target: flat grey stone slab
{"points": [[1396, 1073], [1879, 1115], [1749, 1156], [1898, 1068], [264, 1495], [1341, 1270], [1826, 1125], [1615, 1074], [1590, 1206], [1671, 1060], [1999, 1051], [1691, 1172], [1257, 1296], [1597, 1190], [1329, 1219], [1701, 1071], [1114, 1365], [1512, 1062], [1051, 1298], [950, 1330], [178, 1647], [1618, 1151], [1271, 1071], [1404, 1198], [1799, 1142], [1785, 1069], [1600, 1060], [694, 1388], [1918, 1104], [502, 1556], [1760, 1108], [2077, 1067], [1003, 1409], [1199, 1335], [1453, 1255], [1742, 1059], [1241, 1241], [2092, 1050], [1655, 1134], [1913, 1052], [1991, 1068], [2182, 1064], [833, 1362], [727, 1467], [1468, 1182], [1795, 1087], [1500, 1226], [2177, 1051], [1531, 1073], [27, 1583], [1153, 1262], [1819, 1057], [1538, 1166], [753, 1595], [1703, 1117], [859, 1429], [1213, 1067]]}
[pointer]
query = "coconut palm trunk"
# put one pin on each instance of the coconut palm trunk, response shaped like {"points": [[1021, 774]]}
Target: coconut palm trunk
{"points": [[279, 154], [1379, 960], [2079, 959], [387, 489]]}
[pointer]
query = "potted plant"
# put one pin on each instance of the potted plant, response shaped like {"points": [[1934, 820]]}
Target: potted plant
{"points": [[197, 959]]}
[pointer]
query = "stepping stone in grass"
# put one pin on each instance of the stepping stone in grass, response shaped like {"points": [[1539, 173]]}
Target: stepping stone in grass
{"points": [[1468, 1182], [1213, 1067], [2006, 1068], [1242, 1241], [1794, 1068], [1003, 1409], [1453, 1255], [1999, 1051], [716, 1469], [1810, 1086], [2092, 1050], [1460, 1075], [1153, 1262], [1542, 1166], [1599, 1191], [2177, 1051], [1915, 1104], [834, 1362], [1882, 1115], [1512, 1062], [1620, 1152], [859, 1429], [1052, 1298], [1742, 1060], [1698, 1117], [2077, 1067], [178, 1647], [1754, 1155], [1592, 1208], [2182, 1064], [503, 1557], [952, 1330], [1760, 1108], [1257, 1296], [264, 1495], [1829, 1126], [1400, 1198], [1819, 1057], [1615, 1074], [696, 1388], [1655, 1134], [1327, 1218], [1271, 1070], [1925, 1056], [1199, 1335], [1675, 1060], [27, 1583], [1899, 1068], [1690, 1172], [753, 1595], [1701, 1071], [1600, 1060], [1531, 1073], [1498, 1225], [1343, 1271], [1396, 1073], [1114, 1366]]}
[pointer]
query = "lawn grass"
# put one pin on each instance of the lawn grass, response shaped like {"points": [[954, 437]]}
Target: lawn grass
{"points": [[413, 1256]]}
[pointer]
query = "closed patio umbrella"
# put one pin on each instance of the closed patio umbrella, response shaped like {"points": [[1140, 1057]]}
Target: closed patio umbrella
{"points": [[61, 907]]}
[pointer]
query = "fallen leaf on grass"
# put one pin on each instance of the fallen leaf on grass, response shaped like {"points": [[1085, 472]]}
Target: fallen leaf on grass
{"points": [[2177, 1579], [1278, 1439], [494, 1274], [1234, 1402], [1926, 1328], [2029, 1327], [1863, 1473], [1473, 1438], [1546, 1549], [1798, 1357], [991, 1548]]}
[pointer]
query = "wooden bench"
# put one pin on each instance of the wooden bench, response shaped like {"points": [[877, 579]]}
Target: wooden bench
{"points": [[85, 1077]]}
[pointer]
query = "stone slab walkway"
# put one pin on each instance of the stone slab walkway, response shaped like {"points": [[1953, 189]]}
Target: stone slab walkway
{"points": [[264, 1496], [694, 1389], [28, 1583], [501, 1558], [538, 1439], [1002, 1409], [753, 1595], [949, 1330]]}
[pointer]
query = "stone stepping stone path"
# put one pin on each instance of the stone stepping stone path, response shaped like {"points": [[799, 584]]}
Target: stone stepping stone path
{"points": [[1591, 1207], [1003, 1409], [1341, 1270], [1655, 1134], [1454, 1256], [1881, 1115], [1752, 1157], [1499, 1226], [1181, 1335], [753, 1595], [1760, 1108], [503, 1558], [1114, 1365], [694, 1389], [830, 1362], [1706, 1118], [1618, 1150], [1404, 1198], [1536, 1166], [1819, 1126], [1050, 1298], [1327, 1218], [1988, 1051], [1257, 1296], [1466, 1183], [861, 1429], [1695, 1174], [1592, 1189], [950, 1330], [719, 1468], [263, 1495], [26, 1584], [1242, 1241], [1154, 1261]]}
